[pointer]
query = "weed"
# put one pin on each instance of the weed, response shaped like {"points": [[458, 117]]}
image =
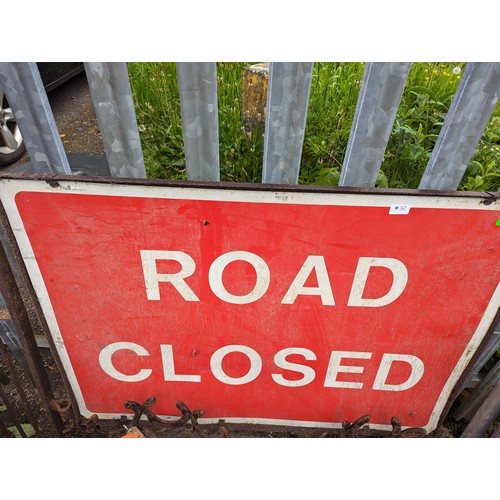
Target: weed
{"points": [[334, 93]]}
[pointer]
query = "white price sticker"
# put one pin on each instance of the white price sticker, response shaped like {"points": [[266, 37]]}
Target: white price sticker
{"points": [[399, 209]]}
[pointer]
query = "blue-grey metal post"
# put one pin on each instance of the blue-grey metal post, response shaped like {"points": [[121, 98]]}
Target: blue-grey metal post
{"points": [[200, 122], [286, 112], [378, 103], [114, 106], [487, 414], [479, 394], [471, 108], [28, 100], [491, 347]]}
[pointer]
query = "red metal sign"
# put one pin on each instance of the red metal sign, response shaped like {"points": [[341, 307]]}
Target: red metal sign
{"points": [[302, 309]]}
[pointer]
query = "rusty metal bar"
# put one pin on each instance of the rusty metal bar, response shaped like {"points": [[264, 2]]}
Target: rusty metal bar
{"points": [[13, 263], [496, 434], [485, 416], [17, 383], [488, 197], [200, 121], [4, 379], [378, 102], [20, 319], [17, 266], [4, 432], [10, 412], [286, 113], [471, 108]]}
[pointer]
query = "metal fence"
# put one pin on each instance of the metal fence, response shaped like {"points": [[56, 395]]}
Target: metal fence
{"points": [[286, 113]]}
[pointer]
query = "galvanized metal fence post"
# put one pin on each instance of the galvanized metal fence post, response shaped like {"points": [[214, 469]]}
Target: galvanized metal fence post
{"points": [[114, 106], [485, 416], [9, 336], [470, 110], [14, 376], [200, 122], [480, 393], [488, 351], [286, 113], [26, 94], [378, 102]]}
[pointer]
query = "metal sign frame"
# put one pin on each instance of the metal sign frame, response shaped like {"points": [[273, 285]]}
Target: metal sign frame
{"points": [[270, 194]]}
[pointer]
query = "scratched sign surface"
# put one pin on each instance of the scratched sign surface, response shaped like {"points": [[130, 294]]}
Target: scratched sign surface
{"points": [[301, 309]]}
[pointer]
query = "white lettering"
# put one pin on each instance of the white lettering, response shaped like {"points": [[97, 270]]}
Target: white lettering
{"points": [[417, 370], [398, 270], [281, 362], [324, 289], [334, 368], [152, 278], [313, 263], [106, 364], [218, 372], [261, 284], [169, 370]]}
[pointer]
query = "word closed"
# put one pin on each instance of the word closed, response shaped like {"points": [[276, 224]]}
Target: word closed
{"points": [[280, 360]]}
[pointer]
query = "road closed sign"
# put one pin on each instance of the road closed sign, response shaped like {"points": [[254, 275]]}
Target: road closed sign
{"points": [[295, 308]]}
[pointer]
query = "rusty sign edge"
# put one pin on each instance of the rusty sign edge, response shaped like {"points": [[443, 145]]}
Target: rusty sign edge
{"points": [[53, 179]]}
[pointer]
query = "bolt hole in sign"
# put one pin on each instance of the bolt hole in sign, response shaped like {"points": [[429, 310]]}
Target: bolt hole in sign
{"points": [[291, 308]]}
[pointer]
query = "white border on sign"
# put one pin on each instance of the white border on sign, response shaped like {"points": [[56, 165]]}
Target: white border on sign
{"points": [[10, 187]]}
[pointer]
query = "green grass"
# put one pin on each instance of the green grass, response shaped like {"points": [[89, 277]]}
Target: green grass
{"points": [[423, 108], [334, 93]]}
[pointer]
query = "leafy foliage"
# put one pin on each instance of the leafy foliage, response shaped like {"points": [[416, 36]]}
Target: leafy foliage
{"points": [[27, 428], [334, 93]]}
